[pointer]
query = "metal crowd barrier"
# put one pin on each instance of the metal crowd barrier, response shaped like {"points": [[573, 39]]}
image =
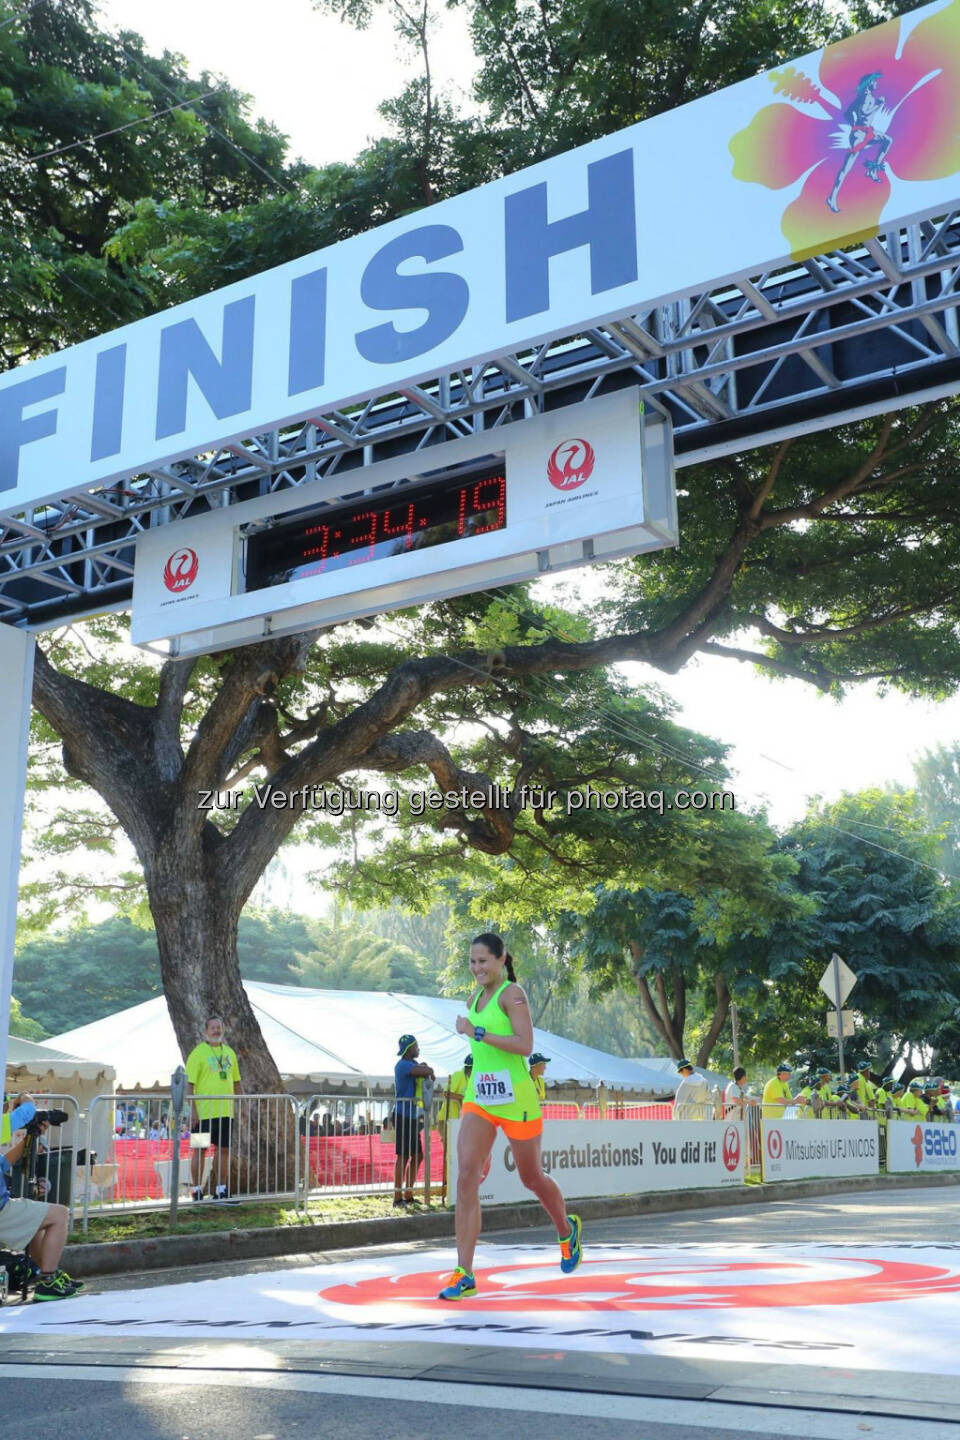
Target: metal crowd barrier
{"points": [[122, 1156], [134, 1169], [349, 1146]]}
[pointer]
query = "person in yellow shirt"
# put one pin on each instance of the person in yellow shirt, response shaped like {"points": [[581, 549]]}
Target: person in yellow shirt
{"points": [[777, 1095], [806, 1094], [856, 1107], [911, 1104], [452, 1103], [213, 1074], [866, 1090], [539, 1063], [896, 1090]]}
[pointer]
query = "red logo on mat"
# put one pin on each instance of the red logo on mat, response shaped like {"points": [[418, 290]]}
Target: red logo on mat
{"points": [[180, 570], [571, 464], [731, 1147], [917, 1138], [774, 1144], [670, 1282]]}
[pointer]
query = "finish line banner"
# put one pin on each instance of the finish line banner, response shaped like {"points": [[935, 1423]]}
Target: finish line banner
{"points": [[829, 150], [618, 1157], [926, 1146], [802, 1149]]}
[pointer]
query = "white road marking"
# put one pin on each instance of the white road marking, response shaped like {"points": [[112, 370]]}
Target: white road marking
{"points": [[740, 1419]]}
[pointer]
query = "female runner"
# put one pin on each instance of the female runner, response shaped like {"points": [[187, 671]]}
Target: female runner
{"points": [[501, 1094]]}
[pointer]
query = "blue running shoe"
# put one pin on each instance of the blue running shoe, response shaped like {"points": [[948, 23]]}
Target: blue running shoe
{"points": [[462, 1286], [571, 1251]]}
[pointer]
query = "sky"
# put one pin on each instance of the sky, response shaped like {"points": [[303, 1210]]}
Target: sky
{"points": [[320, 82]]}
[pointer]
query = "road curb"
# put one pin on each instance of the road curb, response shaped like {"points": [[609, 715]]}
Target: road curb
{"points": [[166, 1252]]}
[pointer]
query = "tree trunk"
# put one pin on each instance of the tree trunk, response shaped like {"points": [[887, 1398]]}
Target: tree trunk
{"points": [[659, 1015], [717, 1023], [196, 923], [197, 938]]}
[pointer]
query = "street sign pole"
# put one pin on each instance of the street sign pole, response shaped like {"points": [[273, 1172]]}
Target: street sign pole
{"points": [[839, 1003]]}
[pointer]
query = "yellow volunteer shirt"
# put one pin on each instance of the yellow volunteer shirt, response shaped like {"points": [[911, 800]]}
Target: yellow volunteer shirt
{"points": [[541, 1085], [457, 1085], [213, 1071], [911, 1102], [774, 1090]]}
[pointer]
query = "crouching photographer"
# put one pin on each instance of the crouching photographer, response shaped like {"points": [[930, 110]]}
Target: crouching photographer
{"points": [[33, 1224]]}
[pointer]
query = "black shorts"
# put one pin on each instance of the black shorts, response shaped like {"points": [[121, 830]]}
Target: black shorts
{"points": [[408, 1141], [218, 1130]]}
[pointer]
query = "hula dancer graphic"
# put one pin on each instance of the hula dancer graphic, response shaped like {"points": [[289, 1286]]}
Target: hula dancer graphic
{"points": [[866, 118]]}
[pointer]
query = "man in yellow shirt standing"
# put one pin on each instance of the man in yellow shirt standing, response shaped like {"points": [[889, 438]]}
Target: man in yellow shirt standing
{"points": [[213, 1073], [776, 1094]]}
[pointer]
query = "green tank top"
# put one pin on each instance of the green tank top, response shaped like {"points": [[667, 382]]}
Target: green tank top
{"points": [[487, 1059]]}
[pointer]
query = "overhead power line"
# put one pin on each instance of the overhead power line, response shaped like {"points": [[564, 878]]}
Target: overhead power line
{"points": [[103, 134]]}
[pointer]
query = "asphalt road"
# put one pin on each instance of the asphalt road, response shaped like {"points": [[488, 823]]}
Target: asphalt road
{"points": [[127, 1388]]}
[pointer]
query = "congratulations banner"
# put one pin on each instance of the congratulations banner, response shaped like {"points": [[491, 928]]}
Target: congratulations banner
{"points": [[619, 1157], [826, 150]]}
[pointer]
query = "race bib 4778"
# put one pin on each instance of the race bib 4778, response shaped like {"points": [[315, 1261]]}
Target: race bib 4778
{"points": [[493, 1087]]}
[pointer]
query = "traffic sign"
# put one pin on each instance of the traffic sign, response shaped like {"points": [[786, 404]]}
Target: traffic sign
{"points": [[837, 981], [832, 1023]]}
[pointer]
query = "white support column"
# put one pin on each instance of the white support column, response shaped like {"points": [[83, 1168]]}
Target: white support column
{"points": [[16, 668]]}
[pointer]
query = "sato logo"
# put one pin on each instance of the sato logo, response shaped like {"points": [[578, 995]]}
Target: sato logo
{"points": [[570, 464], [180, 570], [931, 1144]]}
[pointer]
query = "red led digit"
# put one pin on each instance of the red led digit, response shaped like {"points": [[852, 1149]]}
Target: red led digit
{"points": [[368, 538], [461, 512], [405, 529], [497, 503], [324, 532]]}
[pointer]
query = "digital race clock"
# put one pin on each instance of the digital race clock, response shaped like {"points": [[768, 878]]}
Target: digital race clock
{"points": [[342, 536], [507, 502]]}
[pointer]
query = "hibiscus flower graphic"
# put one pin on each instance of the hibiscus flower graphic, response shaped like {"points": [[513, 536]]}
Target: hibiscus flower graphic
{"points": [[879, 105]]}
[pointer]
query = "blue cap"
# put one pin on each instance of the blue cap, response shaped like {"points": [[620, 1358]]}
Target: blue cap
{"points": [[405, 1042]]}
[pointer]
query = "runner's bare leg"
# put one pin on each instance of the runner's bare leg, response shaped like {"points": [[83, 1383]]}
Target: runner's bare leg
{"points": [[474, 1145]]}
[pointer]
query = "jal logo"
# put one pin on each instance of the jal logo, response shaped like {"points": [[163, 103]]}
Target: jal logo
{"points": [[570, 464], [731, 1147], [647, 1282], [774, 1144], [180, 570]]}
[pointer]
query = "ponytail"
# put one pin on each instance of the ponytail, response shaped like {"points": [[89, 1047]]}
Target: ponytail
{"points": [[495, 945]]}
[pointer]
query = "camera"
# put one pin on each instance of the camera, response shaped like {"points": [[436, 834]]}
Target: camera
{"points": [[46, 1117]]}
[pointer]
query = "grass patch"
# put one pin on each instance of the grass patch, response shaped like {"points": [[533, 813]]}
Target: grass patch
{"points": [[193, 1219]]}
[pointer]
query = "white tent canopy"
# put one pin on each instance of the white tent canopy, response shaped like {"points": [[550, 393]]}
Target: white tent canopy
{"points": [[43, 1069], [33, 1066], [337, 1037]]}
